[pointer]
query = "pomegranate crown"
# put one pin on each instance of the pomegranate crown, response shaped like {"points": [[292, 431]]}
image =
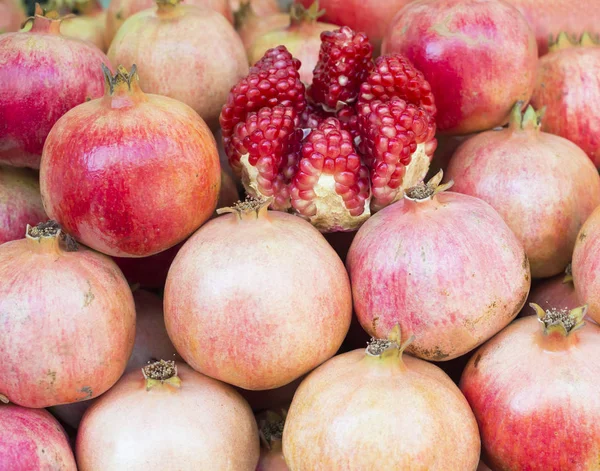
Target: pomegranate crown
{"points": [[392, 346], [51, 230], [270, 425], [562, 321], [565, 41], [252, 207], [45, 21], [425, 191], [525, 120], [299, 13], [161, 372], [122, 76]]}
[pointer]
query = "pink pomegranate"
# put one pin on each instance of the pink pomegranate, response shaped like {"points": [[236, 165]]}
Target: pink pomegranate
{"points": [[221, 308], [542, 185], [520, 386], [20, 202], [69, 320], [568, 86], [586, 260], [12, 15], [134, 200], [61, 73], [424, 263], [479, 57], [170, 36], [348, 412], [32, 440], [270, 426], [189, 422]]}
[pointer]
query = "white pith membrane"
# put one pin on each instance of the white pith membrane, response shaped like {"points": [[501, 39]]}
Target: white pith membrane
{"points": [[415, 171]]}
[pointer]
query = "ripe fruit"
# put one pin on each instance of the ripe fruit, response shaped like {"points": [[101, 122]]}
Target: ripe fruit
{"points": [[20, 202], [468, 50], [585, 263], [252, 25], [171, 36], [61, 73], [131, 174], [68, 320], [219, 309], [189, 422], [32, 439], [443, 265], [12, 15], [89, 24], [520, 386], [542, 185], [361, 410], [568, 86]]}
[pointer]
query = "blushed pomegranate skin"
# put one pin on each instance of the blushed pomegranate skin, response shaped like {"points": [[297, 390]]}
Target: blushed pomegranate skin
{"points": [[253, 26], [426, 265], [469, 51], [20, 202], [68, 326], [88, 27], [542, 185], [221, 308], [204, 424], [130, 174], [119, 10], [163, 39], [32, 440], [61, 73], [568, 85], [520, 386], [586, 265], [12, 16]]}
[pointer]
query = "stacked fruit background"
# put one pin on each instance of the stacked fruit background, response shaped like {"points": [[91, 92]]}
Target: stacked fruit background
{"points": [[271, 235]]}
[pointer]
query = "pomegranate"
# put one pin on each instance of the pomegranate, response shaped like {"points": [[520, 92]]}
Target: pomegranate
{"points": [[468, 50], [61, 73], [568, 86], [20, 202], [301, 36], [362, 409], [556, 292], [251, 25], [12, 15], [371, 16], [119, 10], [163, 39], [424, 263], [215, 308], [270, 426], [32, 440], [514, 169], [520, 386], [189, 422], [89, 24], [121, 173], [586, 257], [68, 322]]}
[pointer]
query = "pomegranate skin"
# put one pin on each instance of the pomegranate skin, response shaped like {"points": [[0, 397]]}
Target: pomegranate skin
{"points": [[468, 50], [168, 37], [61, 73], [12, 16], [218, 308], [520, 386], [568, 85], [357, 412], [423, 265], [32, 440], [123, 173], [68, 326], [204, 424], [542, 185], [555, 292], [20, 202], [254, 26], [89, 27], [586, 265]]}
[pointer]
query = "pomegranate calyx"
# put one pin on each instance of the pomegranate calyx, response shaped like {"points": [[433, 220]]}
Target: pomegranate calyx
{"points": [[270, 426], [568, 274], [250, 208], [299, 14], [45, 21], [121, 80], [161, 372], [51, 233], [565, 41], [425, 191], [392, 346], [561, 321], [527, 120]]}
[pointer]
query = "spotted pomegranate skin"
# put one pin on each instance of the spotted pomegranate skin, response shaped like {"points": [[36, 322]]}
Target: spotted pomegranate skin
{"points": [[20, 202], [32, 440], [130, 174], [61, 73], [469, 52], [586, 265]]}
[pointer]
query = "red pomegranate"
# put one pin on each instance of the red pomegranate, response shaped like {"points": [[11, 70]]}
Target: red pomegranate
{"points": [[119, 10], [20, 202], [164, 39], [169, 416], [32, 440], [348, 412], [301, 36], [586, 258], [568, 86], [61, 73], [89, 24], [220, 307], [479, 57], [521, 386], [542, 185], [12, 15], [270, 427], [121, 173], [69, 320], [424, 263]]}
